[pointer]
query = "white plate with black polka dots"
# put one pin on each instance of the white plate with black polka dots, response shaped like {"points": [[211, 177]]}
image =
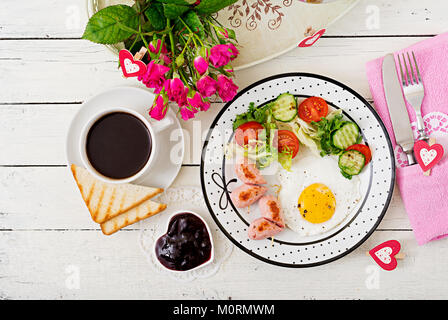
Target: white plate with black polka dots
{"points": [[288, 249]]}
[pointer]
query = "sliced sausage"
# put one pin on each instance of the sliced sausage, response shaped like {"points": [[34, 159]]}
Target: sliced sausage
{"points": [[245, 195], [262, 228], [247, 172], [271, 209]]}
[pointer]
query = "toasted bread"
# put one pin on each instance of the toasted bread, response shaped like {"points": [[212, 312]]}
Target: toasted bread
{"points": [[143, 211], [108, 200]]}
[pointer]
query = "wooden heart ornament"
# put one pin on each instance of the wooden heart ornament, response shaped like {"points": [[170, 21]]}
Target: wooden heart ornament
{"points": [[427, 156], [384, 254], [130, 66], [309, 41]]}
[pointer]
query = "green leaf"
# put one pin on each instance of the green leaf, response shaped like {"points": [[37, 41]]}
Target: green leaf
{"points": [[194, 23], [179, 2], [232, 34], [107, 26], [155, 15], [172, 11], [254, 113], [212, 6]]}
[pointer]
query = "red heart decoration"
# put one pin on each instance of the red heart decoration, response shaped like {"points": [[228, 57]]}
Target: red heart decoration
{"points": [[309, 41], [384, 254], [130, 66], [427, 156]]}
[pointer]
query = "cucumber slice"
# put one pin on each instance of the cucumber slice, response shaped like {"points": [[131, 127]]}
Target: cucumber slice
{"points": [[351, 162], [346, 136], [284, 108]]}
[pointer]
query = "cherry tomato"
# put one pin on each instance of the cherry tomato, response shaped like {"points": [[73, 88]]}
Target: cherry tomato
{"points": [[313, 109], [247, 131], [365, 150], [287, 141]]}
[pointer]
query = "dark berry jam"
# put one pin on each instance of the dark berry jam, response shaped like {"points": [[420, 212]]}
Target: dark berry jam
{"points": [[186, 245]]}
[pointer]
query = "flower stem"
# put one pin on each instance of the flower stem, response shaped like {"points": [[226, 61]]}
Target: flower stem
{"points": [[194, 34], [170, 34]]}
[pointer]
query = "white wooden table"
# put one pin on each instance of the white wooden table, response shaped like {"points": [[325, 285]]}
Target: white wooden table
{"points": [[46, 72]]}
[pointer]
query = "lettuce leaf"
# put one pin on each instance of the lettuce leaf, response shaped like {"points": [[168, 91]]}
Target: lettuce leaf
{"points": [[308, 141], [325, 129], [258, 114], [285, 159]]}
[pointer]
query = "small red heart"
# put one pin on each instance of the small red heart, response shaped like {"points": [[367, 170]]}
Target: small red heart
{"points": [[384, 254], [427, 156], [309, 41], [130, 66]]}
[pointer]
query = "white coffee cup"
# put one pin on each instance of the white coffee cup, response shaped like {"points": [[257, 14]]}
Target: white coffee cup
{"points": [[153, 129]]}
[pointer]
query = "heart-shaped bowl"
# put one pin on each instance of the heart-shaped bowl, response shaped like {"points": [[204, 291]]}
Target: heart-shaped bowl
{"points": [[212, 250]]}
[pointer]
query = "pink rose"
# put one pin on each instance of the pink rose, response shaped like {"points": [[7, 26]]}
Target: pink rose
{"points": [[197, 103], [200, 64], [154, 76], [186, 113], [165, 58], [159, 108], [174, 88], [233, 50], [226, 88], [207, 86], [182, 98], [225, 33], [153, 49], [205, 106], [220, 55]]}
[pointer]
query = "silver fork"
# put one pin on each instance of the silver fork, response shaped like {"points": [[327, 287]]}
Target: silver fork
{"points": [[413, 91]]}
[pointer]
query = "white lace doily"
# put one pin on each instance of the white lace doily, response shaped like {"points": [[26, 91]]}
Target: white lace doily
{"points": [[436, 126], [183, 198]]}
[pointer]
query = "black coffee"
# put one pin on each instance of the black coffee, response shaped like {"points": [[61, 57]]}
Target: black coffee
{"points": [[118, 145]]}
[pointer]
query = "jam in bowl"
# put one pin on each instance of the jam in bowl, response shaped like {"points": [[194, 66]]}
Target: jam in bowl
{"points": [[187, 243]]}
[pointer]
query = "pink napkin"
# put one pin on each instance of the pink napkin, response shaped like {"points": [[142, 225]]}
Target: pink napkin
{"points": [[425, 198]]}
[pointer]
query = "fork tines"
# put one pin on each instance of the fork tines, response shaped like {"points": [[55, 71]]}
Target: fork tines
{"points": [[410, 77]]}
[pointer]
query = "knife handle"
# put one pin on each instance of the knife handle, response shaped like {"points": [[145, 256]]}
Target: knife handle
{"points": [[411, 158]]}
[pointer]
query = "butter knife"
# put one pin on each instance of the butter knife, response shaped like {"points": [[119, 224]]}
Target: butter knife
{"points": [[399, 116]]}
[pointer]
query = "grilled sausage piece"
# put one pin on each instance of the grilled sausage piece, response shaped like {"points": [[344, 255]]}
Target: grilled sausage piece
{"points": [[245, 195], [271, 209], [262, 228], [247, 172]]}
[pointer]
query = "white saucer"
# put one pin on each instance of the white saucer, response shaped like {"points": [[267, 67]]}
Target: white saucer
{"points": [[166, 166]]}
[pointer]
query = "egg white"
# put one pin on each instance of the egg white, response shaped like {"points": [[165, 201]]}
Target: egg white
{"points": [[306, 170]]}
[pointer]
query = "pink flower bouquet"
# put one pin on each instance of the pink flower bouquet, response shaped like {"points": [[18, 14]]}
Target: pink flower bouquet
{"points": [[188, 52]]}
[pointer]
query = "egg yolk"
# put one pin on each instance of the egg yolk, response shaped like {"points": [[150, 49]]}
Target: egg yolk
{"points": [[317, 203]]}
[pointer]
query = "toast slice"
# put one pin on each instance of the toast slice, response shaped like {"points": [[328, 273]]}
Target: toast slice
{"points": [[142, 211], [108, 200]]}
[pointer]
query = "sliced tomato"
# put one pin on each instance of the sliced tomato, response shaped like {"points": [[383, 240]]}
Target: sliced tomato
{"points": [[287, 141], [365, 150], [313, 109], [247, 131]]}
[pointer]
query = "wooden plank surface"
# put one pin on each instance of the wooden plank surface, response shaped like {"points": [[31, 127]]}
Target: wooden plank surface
{"points": [[46, 72], [36, 264], [29, 19], [74, 70]]}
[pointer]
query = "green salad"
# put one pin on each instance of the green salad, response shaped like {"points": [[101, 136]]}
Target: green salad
{"points": [[274, 132]]}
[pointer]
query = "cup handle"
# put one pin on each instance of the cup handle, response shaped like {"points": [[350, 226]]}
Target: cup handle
{"points": [[161, 125]]}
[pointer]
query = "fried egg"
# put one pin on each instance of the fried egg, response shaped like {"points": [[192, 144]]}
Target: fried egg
{"points": [[314, 195]]}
